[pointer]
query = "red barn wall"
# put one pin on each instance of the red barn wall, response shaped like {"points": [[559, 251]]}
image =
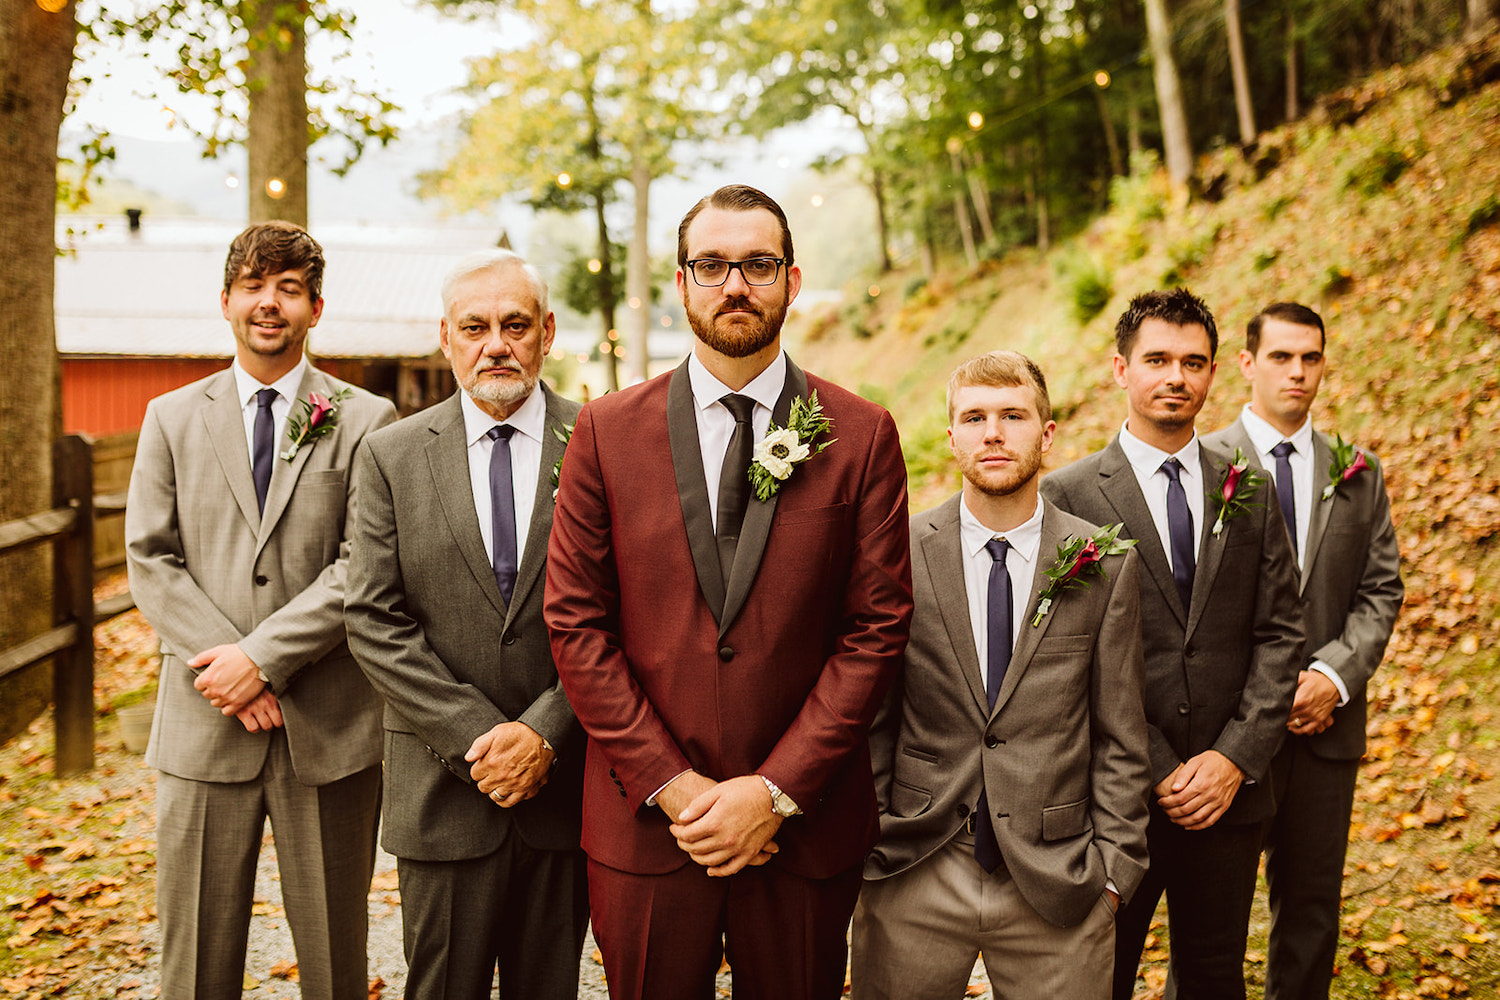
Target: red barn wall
{"points": [[103, 396]]}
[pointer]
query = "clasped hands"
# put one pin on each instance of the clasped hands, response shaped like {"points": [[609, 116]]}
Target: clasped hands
{"points": [[510, 763], [1313, 705], [231, 682], [1198, 792], [722, 825]]}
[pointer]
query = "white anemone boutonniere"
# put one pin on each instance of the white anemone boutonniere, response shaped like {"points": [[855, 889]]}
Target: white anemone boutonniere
{"points": [[1075, 558], [1348, 462], [319, 416], [1237, 490], [785, 448]]}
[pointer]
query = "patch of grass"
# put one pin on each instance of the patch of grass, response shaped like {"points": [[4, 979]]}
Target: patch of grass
{"points": [[1276, 206], [1086, 283], [1485, 214], [1264, 258], [1378, 170]]}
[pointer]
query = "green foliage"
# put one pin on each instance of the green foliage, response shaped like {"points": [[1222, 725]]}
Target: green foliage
{"points": [[1264, 258], [579, 284], [1186, 254], [1275, 206], [1087, 284], [1485, 214], [1378, 170]]}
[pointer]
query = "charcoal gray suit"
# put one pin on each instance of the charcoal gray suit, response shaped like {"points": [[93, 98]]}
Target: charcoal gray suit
{"points": [[207, 568], [1350, 585], [427, 621], [1220, 675]]}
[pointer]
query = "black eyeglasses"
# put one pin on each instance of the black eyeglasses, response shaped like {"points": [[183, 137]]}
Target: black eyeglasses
{"points": [[710, 272]]}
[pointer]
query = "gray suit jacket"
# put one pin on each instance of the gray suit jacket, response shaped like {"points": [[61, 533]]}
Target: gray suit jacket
{"points": [[1062, 756], [206, 568], [451, 658], [1221, 673], [1350, 584]]}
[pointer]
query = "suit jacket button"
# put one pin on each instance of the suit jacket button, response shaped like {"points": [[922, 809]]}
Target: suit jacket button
{"points": [[992, 741], [1183, 709], [261, 579], [963, 810], [510, 639], [612, 773], [622, 792], [726, 653], [1190, 651]]}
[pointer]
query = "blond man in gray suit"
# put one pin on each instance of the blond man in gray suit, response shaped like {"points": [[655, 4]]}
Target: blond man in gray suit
{"points": [[236, 543], [1010, 760]]}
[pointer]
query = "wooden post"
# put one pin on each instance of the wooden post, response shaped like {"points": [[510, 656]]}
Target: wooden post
{"points": [[73, 568]]}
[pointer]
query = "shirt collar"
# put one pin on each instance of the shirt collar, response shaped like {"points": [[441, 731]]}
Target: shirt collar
{"points": [[764, 388], [529, 419], [1265, 437], [247, 385], [1025, 539], [1146, 459]]}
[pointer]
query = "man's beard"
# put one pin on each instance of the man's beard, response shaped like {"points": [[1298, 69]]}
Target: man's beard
{"points": [[1024, 467], [737, 337], [497, 392]]}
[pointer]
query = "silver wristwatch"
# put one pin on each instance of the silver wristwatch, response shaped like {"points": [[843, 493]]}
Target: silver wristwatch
{"points": [[781, 803]]}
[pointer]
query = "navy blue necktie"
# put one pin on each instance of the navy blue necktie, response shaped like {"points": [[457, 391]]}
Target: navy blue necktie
{"points": [[734, 480], [1284, 494], [1180, 532], [263, 453], [502, 510], [999, 606]]}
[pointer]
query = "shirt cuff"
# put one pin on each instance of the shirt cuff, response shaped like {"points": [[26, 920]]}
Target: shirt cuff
{"points": [[1332, 675], [651, 799]]}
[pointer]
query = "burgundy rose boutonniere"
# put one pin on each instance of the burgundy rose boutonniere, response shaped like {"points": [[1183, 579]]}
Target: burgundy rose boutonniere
{"points": [[1076, 557], [1348, 462], [319, 416], [1239, 487]]}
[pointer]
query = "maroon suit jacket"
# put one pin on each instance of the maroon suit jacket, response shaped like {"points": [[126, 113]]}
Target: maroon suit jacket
{"points": [[781, 673]]}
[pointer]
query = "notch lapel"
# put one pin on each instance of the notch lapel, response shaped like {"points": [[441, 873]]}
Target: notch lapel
{"points": [[1118, 484], [1210, 546], [1322, 510], [757, 526], [942, 556], [540, 529], [448, 461], [692, 490], [224, 420]]}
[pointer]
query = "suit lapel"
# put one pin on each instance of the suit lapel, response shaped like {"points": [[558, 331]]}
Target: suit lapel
{"points": [[1322, 510], [692, 489], [1030, 637], [448, 460], [284, 474], [1210, 546], [537, 534], [757, 525], [942, 555], [1118, 484], [224, 419]]}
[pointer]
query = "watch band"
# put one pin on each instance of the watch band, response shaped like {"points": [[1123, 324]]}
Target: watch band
{"points": [[781, 803]]}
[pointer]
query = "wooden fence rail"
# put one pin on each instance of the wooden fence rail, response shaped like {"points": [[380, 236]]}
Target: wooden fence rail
{"points": [[69, 527]]}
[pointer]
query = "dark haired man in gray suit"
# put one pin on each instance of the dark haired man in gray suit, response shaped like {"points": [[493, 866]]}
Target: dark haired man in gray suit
{"points": [[237, 550], [445, 616], [1010, 760], [1223, 643], [1350, 581]]}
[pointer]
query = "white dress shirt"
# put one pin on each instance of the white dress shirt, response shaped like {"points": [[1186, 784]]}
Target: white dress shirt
{"points": [[716, 423], [247, 385], [530, 421], [1264, 437], [1145, 460], [1020, 565]]}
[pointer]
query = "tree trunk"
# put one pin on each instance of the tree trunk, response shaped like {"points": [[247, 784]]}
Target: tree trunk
{"points": [[877, 188], [276, 126], [1293, 108], [961, 209], [1174, 127], [1111, 140], [606, 286], [981, 198], [36, 56], [1133, 146], [1239, 71], [638, 270]]}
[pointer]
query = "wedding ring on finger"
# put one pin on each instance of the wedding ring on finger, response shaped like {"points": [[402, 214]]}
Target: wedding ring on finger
{"points": [[496, 795]]}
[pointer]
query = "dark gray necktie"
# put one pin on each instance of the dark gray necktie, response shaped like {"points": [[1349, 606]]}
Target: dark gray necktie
{"points": [[264, 452], [1180, 532], [1284, 494], [502, 510], [999, 607], [734, 481]]}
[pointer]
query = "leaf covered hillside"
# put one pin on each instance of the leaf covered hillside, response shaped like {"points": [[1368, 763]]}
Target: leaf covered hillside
{"points": [[1381, 209]]}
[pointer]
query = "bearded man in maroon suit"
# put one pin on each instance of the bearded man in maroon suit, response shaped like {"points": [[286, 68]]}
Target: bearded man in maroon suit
{"points": [[729, 595]]}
